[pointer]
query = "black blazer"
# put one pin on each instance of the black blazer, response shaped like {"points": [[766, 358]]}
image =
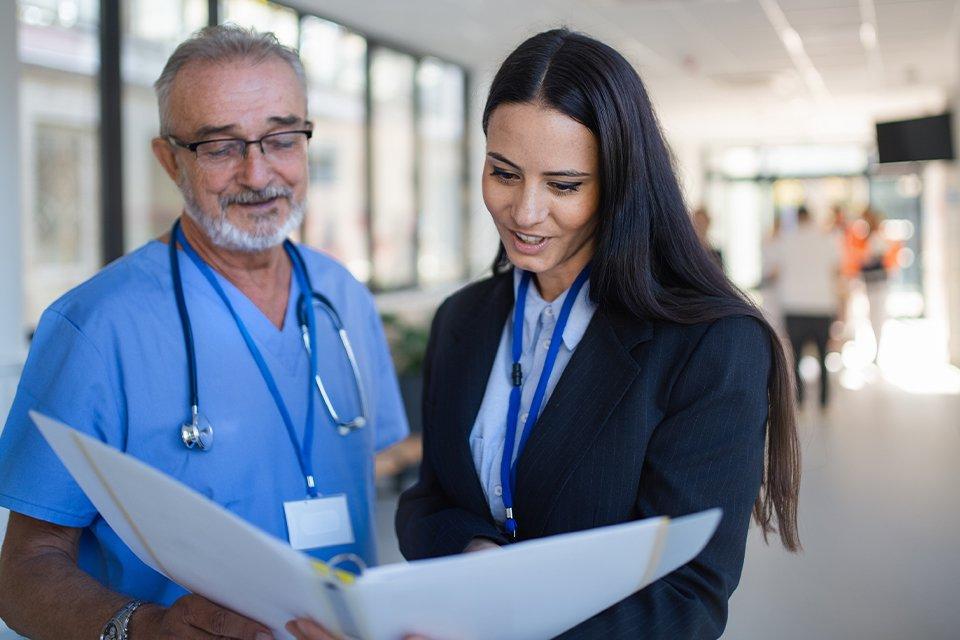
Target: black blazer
{"points": [[648, 418]]}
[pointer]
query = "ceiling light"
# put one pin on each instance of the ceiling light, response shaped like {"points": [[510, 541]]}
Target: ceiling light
{"points": [[868, 35], [791, 40]]}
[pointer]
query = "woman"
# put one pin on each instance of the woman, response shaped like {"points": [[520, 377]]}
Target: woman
{"points": [[664, 393]]}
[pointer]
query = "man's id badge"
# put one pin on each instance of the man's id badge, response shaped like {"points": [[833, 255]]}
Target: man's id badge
{"points": [[318, 522]]}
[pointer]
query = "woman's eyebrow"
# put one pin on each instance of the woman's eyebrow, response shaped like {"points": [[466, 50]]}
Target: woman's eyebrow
{"points": [[503, 159], [566, 173]]}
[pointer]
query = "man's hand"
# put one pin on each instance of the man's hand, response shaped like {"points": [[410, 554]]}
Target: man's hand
{"points": [[194, 618]]}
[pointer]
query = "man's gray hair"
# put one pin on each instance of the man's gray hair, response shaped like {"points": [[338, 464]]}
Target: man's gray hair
{"points": [[221, 43]]}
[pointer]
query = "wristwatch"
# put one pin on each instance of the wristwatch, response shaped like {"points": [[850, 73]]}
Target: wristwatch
{"points": [[116, 627]]}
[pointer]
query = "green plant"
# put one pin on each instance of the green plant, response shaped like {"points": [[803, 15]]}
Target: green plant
{"points": [[408, 344]]}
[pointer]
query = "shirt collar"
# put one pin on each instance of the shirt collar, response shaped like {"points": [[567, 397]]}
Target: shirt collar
{"points": [[577, 323]]}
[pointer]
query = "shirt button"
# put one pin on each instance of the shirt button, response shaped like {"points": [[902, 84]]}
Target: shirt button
{"points": [[546, 343], [498, 491], [549, 311], [523, 417]]}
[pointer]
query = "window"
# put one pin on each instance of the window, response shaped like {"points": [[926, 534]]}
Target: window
{"points": [[151, 30], [263, 16], [394, 171], [59, 112], [387, 180], [336, 221], [440, 91]]}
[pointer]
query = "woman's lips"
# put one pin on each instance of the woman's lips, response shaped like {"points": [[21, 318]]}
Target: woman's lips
{"points": [[529, 244]]}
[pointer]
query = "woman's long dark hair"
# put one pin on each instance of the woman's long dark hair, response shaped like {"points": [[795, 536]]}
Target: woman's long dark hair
{"points": [[649, 261]]}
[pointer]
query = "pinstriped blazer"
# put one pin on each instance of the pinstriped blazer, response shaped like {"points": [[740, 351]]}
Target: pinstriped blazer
{"points": [[648, 418]]}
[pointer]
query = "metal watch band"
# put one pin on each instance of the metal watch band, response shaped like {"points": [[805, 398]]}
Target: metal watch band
{"points": [[116, 627]]}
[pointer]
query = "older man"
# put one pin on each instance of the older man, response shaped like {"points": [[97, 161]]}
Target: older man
{"points": [[202, 329]]}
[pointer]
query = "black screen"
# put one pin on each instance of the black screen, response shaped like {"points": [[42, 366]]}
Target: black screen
{"points": [[913, 140]]}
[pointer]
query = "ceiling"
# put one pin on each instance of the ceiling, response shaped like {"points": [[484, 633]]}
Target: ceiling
{"points": [[717, 69]]}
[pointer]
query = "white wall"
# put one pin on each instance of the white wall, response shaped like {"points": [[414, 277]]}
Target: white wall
{"points": [[12, 340], [939, 246], [952, 233], [952, 208]]}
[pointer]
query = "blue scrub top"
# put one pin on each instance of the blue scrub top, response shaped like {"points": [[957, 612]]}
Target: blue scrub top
{"points": [[108, 359]]}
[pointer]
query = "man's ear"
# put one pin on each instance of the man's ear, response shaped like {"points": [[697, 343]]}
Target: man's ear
{"points": [[164, 152]]}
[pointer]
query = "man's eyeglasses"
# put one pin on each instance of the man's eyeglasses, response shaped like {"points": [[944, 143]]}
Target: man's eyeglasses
{"points": [[226, 153]]}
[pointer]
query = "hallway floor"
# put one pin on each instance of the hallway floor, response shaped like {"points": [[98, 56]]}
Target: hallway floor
{"points": [[880, 525]]}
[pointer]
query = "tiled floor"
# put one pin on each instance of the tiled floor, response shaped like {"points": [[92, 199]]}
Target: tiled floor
{"points": [[880, 522]]}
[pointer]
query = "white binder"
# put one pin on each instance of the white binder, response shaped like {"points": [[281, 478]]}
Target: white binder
{"points": [[526, 591]]}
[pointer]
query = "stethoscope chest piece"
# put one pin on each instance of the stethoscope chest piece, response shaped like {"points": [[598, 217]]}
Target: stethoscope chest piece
{"points": [[346, 429], [197, 433]]}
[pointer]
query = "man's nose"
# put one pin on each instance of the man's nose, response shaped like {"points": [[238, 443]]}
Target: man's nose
{"points": [[255, 170]]}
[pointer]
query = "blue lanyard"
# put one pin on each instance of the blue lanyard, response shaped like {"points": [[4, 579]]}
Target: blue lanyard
{"points": [[508, 477], [304, 452]]}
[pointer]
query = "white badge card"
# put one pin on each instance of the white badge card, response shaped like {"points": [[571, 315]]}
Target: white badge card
{"points": [[318, 522]]}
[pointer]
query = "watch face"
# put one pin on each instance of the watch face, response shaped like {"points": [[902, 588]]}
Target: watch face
{"points": [[111, 632]]}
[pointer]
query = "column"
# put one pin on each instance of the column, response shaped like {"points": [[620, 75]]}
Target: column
{"points": [[12, 339]]}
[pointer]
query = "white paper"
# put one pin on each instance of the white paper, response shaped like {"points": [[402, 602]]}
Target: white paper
{"points": [[527, 591]]}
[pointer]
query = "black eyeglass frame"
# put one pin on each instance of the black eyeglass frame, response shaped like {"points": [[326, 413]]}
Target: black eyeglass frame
{"points": [[193, 146]]}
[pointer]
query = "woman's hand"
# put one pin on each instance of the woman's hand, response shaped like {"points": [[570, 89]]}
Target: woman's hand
{"points": [[480, 544], [305, 629]]}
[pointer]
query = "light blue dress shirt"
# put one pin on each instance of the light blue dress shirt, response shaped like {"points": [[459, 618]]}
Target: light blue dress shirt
{"points": [[108, 359], [489, 430]]}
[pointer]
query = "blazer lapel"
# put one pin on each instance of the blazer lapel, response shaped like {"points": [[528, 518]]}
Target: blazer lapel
{"points": [[591, 386], [473, 352]]}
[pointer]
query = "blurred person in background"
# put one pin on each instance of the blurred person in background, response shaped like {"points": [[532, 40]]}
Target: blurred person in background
{"points": [[850, 250], [878, 260], [663, 389], [701, 223], [806, 268], [770, 297]]}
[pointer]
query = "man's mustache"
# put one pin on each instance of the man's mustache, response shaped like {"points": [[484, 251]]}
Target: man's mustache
{"points": [[256, 196]]}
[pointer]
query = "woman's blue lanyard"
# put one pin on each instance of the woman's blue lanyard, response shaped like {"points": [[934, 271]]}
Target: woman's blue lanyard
{"points": [[507, 467], [304, 452]]}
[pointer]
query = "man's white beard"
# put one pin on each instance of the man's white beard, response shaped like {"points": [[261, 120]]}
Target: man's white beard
{"points": [[267, 233]]}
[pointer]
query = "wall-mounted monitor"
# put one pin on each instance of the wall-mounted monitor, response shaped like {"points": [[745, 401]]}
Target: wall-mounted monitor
{"points": [[914, 140]]}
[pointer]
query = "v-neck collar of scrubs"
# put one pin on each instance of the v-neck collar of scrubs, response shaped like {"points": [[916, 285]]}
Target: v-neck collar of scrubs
{"points": [[284, 345]]}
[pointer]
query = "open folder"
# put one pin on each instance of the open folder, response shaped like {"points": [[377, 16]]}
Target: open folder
{"points": [[526, 591]]}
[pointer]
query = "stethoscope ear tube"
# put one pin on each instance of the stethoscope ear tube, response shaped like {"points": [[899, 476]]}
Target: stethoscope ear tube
{"points": [[344, 427]]}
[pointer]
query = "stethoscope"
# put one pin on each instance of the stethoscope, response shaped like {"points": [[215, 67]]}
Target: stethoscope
{"points": [[198, 432]]}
